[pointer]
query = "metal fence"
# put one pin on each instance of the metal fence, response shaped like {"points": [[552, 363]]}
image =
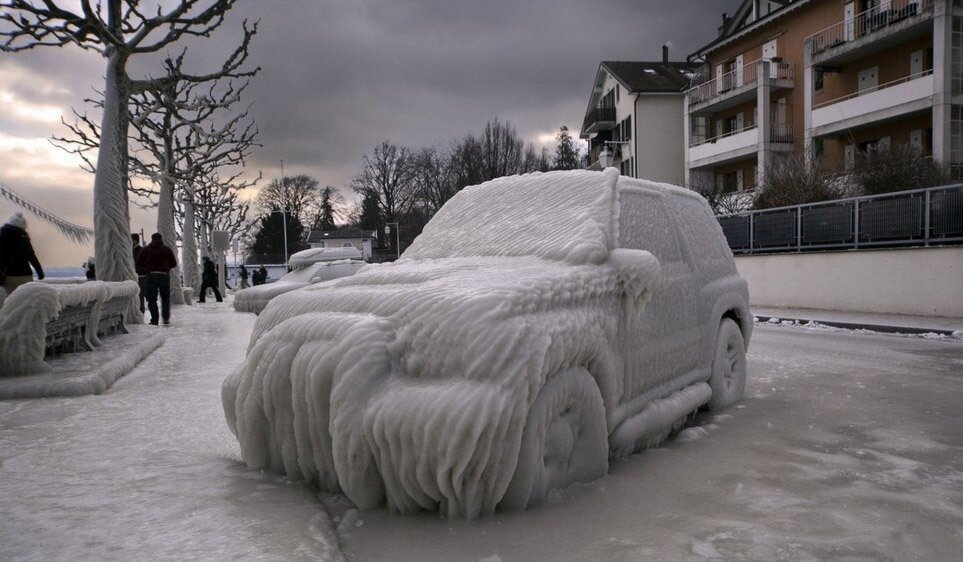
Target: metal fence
{"points": [[920, 217]]}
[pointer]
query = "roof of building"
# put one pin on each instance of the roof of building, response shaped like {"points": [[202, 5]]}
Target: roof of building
{"points": [[340, 234], [643, 76], [745, 21]]}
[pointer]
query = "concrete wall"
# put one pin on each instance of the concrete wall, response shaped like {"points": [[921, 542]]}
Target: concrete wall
{"points": [[924, 281], [657, 134]]}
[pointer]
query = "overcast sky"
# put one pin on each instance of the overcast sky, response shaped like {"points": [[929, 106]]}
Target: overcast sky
{"points": [[339, 76]]}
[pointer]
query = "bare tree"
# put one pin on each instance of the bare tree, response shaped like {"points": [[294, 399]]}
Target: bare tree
{"points": [[386, 174], [796, 180], [118, 30], [327, 210], [297, 194], [433, 178], [897, 168], [178, 137]]}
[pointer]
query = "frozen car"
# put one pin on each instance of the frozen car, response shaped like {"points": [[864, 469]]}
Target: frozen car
{"points": [[539, 325], [310, 267]]}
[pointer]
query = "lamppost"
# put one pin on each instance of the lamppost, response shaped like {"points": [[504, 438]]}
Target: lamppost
{"points": [[607, 155], [284, 213], [397, 236]]}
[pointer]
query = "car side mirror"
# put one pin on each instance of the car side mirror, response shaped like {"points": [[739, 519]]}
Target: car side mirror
{"points": [[639, 273]]}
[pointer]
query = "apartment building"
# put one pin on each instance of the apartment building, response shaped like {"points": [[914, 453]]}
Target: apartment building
{"points": [[633, 118], [827, 78]]}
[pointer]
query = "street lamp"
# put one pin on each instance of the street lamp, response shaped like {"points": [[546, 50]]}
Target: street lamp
{"points": [[284, 213], [607, 154], [397, 236]]}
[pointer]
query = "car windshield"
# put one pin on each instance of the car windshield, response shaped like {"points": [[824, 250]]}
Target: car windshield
{"points": [[555, 215]]}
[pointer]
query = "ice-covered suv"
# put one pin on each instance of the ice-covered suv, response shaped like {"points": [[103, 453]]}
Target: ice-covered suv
{"points": [[539, 325]]}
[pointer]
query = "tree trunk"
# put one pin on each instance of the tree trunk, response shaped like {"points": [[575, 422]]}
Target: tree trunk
{"points": [[112, 244], [189, 249], [165, 225]]}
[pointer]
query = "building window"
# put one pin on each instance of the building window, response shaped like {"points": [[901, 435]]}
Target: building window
{"points": [[626, 167], [608, 100], [818, 78], [617, 92], [956, 137], [956, 60]]}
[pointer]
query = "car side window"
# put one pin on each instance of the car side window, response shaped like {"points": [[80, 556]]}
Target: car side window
{"points": [[705, 244], [645, 224]]}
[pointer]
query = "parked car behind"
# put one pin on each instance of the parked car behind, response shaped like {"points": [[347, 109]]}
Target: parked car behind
{"points": [[538, 326], [254, 299]]}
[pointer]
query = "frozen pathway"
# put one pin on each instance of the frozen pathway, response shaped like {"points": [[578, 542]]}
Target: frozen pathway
{"points": [[149, 470]]}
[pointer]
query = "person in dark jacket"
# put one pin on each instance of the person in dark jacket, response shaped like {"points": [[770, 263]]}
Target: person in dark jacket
{"points": [[16, 254], [244, 276], [141, 276], [209, 279], [157, 261], [91, 273], [264, 275]]}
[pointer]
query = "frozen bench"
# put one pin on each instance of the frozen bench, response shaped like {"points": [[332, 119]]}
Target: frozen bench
{"points": [[39, 319]]}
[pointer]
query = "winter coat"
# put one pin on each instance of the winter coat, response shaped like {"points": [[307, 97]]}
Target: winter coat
{"points": [[16, 253], [156, 257], [137, 250], [210, 272], [243, 273]]}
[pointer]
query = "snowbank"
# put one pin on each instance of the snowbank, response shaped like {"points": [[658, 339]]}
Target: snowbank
{"points": [[254, 299]]}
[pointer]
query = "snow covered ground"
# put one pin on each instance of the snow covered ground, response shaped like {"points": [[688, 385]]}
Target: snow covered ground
{"points": [[848, 446]]}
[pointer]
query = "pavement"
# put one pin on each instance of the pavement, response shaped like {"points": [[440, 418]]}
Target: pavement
{"points": [[877, 322]]}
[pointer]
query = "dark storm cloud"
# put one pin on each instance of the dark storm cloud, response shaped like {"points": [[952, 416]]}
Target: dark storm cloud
{"points": [[339, 76]]}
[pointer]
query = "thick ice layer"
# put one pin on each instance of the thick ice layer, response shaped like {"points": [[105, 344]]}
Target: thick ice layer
{"points": [[310, 256], [494, 360], [254, 299], [25, 313]]}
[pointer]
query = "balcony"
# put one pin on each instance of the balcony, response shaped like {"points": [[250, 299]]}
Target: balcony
{"points": [[870, 31], [724, 148], [886, 101], [599, 119], [736, 86]]}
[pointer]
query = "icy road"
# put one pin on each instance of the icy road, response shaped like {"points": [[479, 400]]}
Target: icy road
{"points": [[849, 445]]}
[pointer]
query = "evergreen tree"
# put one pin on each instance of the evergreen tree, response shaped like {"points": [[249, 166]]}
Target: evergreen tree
{"points": [[371, 218], [269, 240], [325, 214], [567, 155]]}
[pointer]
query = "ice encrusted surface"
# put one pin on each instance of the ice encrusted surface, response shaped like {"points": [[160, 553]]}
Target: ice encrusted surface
{"points": [[310, 256], [26, 312], [254, 299]]}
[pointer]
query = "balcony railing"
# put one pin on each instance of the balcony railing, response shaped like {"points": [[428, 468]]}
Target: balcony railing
{"points": [[745, 75], [697, 140], [866, 23], [598, 117], [876, 88], [920, 217]]}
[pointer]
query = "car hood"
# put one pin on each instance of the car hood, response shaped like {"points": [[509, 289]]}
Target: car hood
{"points": [[458, 314]]}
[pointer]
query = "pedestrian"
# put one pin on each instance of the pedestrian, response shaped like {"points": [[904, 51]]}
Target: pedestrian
{"points": [[264, 275], [157, 261], [16, 254], [91, 273], [244, 276], [209, 279], [141, 275]]}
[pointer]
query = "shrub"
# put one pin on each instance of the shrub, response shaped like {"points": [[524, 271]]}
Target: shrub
{"points": [[898, 168]]}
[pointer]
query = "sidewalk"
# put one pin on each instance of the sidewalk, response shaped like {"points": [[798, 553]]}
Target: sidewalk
{"points": [[864, 320]]}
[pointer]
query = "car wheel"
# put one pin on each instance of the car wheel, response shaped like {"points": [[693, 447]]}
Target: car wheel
{"points": [[565, 439], [728, 380]]}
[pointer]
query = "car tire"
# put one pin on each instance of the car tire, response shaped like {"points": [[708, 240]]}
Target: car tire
{"points": [[565, 439], [728, 381]]}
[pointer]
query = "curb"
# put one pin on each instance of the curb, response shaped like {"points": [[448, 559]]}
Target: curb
{"points": [[858, 326]]}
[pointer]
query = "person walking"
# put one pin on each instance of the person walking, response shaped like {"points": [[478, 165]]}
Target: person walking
{"points": [[157, 261], [264, 275], [141, 276], [91, 272], [16, 254], [244, 276], [209, 279]]}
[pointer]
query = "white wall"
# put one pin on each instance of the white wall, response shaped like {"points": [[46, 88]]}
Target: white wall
{"points": [[923, 281], [658, 137]]}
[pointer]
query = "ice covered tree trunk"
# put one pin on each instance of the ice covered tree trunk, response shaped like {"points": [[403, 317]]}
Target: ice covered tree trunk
{"points": [[189, 249], [205, 243], [165, 225], [112, 245]]}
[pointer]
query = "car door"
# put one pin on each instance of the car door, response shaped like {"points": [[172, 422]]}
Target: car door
{"points": [[655, 343]]}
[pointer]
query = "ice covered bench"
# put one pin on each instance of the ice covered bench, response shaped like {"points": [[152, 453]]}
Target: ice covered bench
{"points": [[42, 318]]}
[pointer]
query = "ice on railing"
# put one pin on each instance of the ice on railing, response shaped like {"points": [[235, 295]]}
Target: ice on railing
{"points": [[26, 312]]}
